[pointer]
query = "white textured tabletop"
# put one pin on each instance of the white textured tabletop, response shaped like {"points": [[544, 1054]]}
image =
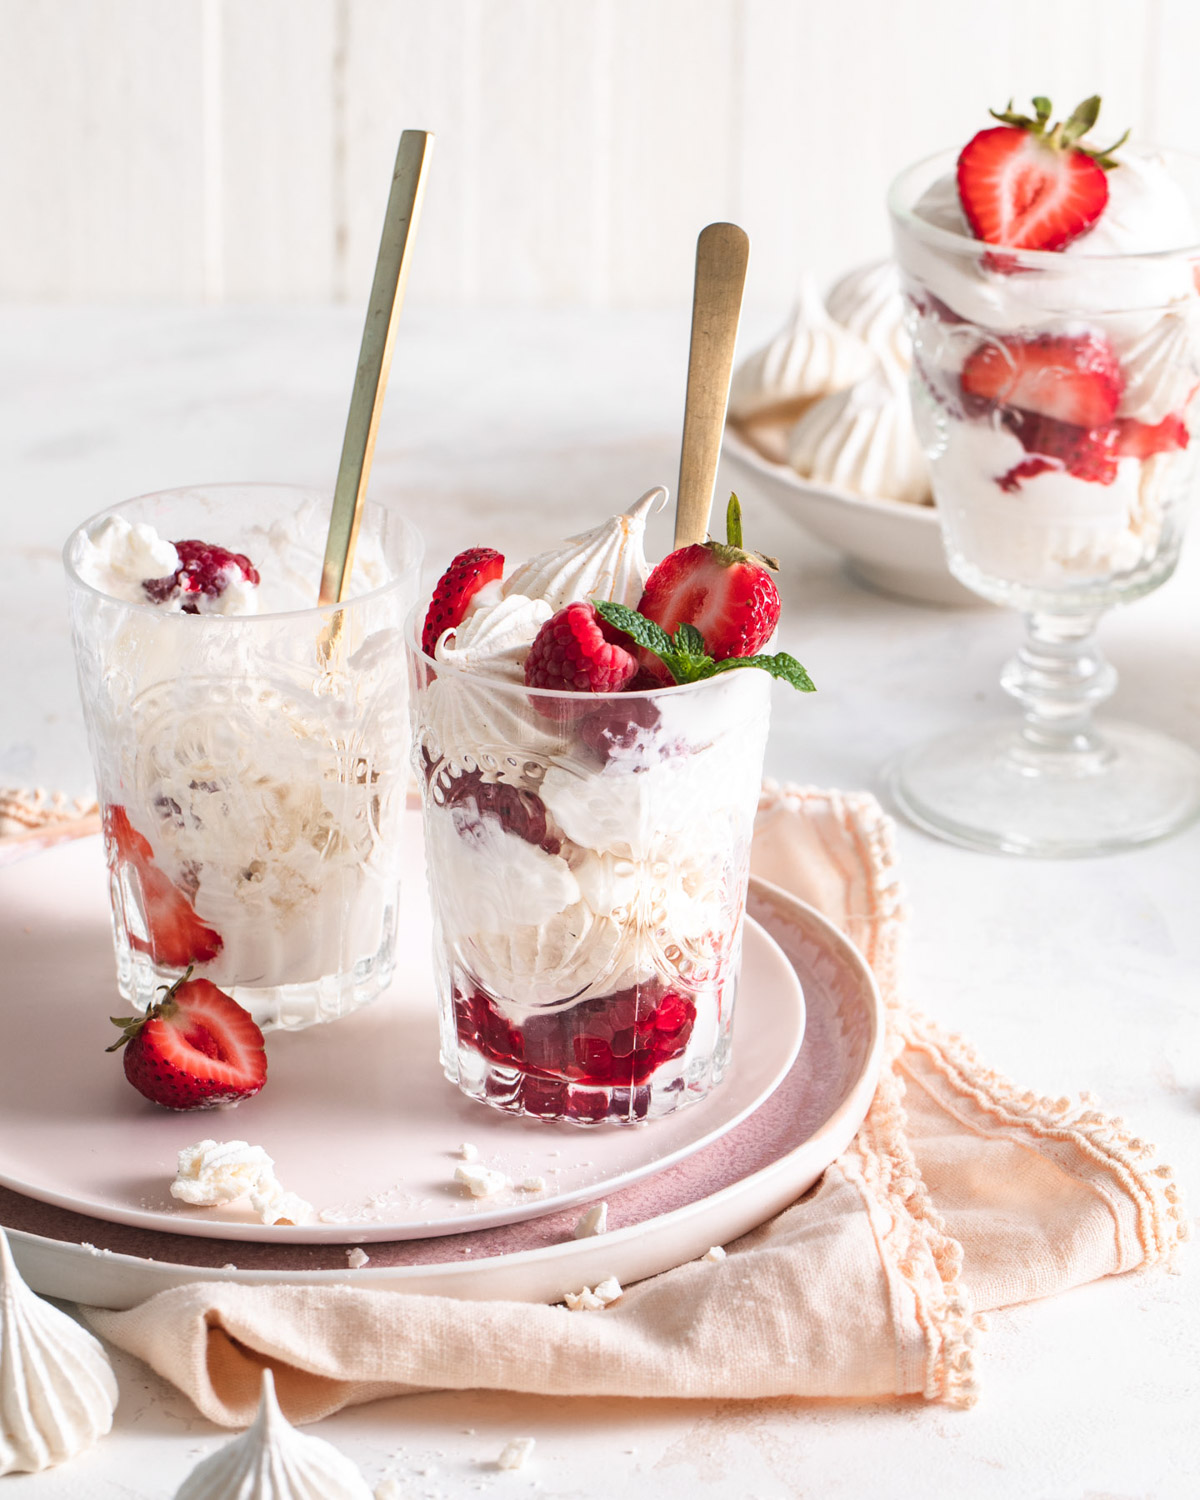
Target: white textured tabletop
{"points": [[510, 428]]}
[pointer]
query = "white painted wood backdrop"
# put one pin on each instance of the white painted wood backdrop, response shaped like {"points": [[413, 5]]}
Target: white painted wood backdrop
{"points": [[240, 150]]}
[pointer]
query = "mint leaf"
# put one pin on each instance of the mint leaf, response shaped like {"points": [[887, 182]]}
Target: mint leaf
{"points": [[685, 657], [689, 641], [781, 665], [642, 631]]}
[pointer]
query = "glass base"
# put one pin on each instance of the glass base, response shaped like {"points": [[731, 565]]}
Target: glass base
{"points": [[282, 1007], [987, 788], [519, 1092]]}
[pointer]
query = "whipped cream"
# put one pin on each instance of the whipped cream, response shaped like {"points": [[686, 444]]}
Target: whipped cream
{"points": [[212, 1174], [607, 562], [863, 440], [867, 302], [57, 1388], [272, 1461], [1147, 213], [809, 357], [116, 558], [1054, 528]]}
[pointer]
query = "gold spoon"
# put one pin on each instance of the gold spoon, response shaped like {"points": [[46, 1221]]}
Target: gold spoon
{"points": [[722, 252], [375, 359]]}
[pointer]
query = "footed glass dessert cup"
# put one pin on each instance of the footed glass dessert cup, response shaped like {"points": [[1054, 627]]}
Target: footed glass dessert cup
{"points": [[251, 767], [1054, 394], [588, 857]]}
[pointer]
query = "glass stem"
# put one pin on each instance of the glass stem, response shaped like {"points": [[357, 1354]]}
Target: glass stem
{"points": [[1058, 676]]}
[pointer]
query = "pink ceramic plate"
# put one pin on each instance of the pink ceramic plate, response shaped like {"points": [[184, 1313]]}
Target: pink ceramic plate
{"points": [[356, 1114], [710, 1197]]}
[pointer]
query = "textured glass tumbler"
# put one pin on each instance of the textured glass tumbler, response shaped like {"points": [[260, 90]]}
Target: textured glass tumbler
{"points": [[1044, 512], [252, 769], [587, 858]]}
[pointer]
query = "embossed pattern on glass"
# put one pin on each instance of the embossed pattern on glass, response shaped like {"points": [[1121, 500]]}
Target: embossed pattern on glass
{"points": [[588, 858]]}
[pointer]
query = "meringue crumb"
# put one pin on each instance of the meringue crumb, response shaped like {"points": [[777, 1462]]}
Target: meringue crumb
{"points": [[515, 1452], [605, 1293], [389, 1489], [229, 1266], [533, 1185], [357, 1258], [468, 1152], [714, 1252], [594, 1221], [480, 1182]]}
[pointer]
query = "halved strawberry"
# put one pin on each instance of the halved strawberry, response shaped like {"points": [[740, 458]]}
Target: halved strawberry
{"points": [[175, 935], [1072, 378], [1141, 440], [195, 1048], [726, 593], [455, 589], [1031, 185]]}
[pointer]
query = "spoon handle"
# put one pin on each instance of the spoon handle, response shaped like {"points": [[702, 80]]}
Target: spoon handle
{"points": [[375, 358], [722, 252]]}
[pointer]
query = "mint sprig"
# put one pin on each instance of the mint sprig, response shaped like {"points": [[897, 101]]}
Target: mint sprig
{"points": [[684, 654]]}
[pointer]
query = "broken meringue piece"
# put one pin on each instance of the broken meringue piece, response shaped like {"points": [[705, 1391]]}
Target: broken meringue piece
{"points": [[593, 1221], [272, 1461], [57, 1387]]}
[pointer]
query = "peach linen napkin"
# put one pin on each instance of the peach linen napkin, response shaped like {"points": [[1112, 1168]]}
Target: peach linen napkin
{"points": [[959, 1194]]}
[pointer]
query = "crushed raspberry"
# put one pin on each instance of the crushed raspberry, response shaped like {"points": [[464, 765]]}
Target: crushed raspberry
{"points": [[621, 727], [614, 1041], [518, 812], [1028, 468], [570, 654], [204, 569]]}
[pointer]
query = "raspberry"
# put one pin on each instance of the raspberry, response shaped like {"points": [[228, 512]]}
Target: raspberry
{"points": [[571, 655], [204, 569], [623, 729], [455, 589]]}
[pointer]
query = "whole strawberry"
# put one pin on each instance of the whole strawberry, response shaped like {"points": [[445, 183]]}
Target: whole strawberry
{"points": [[572, 654], [728, 594], [1031, 185], [195, 1048], [457, 586]]}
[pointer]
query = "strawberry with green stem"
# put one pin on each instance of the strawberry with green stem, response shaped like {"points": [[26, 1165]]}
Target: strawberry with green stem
{"points": [[196, 1048], [708, 608]]}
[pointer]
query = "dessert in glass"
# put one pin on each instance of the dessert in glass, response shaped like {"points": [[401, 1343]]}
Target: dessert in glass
{"points": [[588, 811], [1055, 320], [250, 749]]}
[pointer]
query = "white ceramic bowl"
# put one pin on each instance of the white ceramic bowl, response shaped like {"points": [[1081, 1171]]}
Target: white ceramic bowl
{"points": [[889, 546]]}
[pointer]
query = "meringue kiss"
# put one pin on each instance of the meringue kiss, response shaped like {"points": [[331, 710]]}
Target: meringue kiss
{"points": [[57, 1388]]}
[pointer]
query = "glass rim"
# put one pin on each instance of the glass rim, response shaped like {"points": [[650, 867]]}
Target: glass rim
{"points": [[903, 213], [412, 639], [317, 611]]}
